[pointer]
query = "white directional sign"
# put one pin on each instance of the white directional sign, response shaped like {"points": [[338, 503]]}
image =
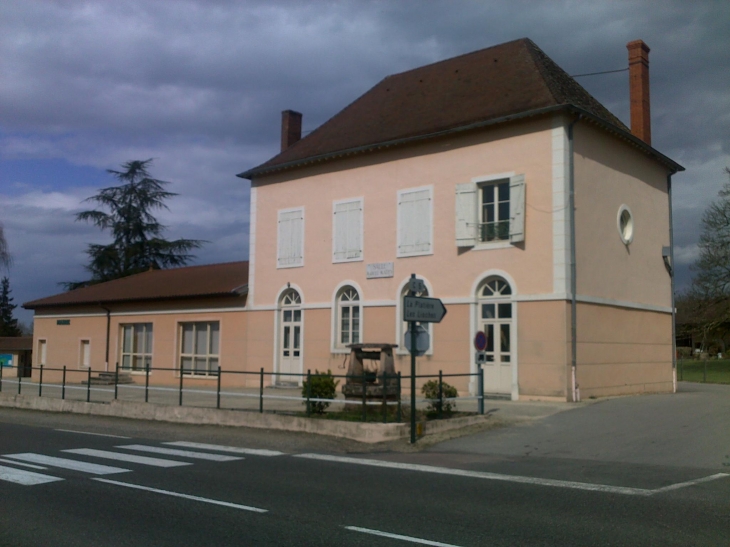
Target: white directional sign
{"points": [[423, 310]]}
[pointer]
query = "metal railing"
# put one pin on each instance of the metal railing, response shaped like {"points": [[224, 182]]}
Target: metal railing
{"points": [[79, 384]]}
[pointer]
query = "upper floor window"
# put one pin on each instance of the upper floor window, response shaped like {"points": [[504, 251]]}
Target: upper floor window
{"points": [[494, 212], [348, 317], [199, 348], [347, 231], [489, 211], [136, 346], [290, 240], [415, 221]]}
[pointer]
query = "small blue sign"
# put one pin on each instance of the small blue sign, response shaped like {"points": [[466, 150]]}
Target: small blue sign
{"points": [[6, 360]]}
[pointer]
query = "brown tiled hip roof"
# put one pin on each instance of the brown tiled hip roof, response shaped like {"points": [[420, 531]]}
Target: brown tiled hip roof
{"points": [[228, 279], [16, 343], [491, 84]]}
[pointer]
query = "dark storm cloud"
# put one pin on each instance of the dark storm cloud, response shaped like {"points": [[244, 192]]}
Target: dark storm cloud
{"points": [[199, 86]]}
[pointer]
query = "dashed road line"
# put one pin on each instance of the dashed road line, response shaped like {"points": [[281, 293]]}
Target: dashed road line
{"points": [[185, 496], [132, 458]]}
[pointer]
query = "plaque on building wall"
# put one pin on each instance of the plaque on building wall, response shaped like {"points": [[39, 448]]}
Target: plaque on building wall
{"points": [[380, 269], [63, 321]]}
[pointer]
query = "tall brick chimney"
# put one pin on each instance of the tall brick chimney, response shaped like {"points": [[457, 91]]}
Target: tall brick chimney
{"points": [[639, 90], [291, 128]]}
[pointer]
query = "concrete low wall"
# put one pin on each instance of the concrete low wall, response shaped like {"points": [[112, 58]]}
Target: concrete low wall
{"points": [[363, 432]]}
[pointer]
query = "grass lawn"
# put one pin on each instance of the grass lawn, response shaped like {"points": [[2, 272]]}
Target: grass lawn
{"points": [[718, 371]]}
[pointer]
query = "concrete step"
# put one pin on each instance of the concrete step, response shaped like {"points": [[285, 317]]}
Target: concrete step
{"points": [[108, 379]]}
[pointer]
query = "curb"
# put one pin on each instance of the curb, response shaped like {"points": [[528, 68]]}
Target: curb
{"points": [[362, 432]]}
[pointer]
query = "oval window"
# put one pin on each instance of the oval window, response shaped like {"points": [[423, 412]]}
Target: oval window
{"points": [[625, 224]]}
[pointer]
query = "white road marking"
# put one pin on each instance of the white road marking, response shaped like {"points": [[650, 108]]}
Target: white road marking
{"points": [[133, 458], [27, 478], [181, 453], [74, 465], [185, 496], [398, 536], [691, 483], [234, 449], [3, 460], [90, 433], [509, 478]]}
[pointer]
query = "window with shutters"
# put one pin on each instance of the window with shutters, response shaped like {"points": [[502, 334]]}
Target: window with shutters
{"points": [[347, 231], [290, 238], [494, 212], [415, 222], [490, 212]]}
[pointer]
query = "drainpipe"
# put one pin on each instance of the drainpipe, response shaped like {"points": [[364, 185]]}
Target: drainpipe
{"points": [[671, 277], [108, 324], [575, 389]]}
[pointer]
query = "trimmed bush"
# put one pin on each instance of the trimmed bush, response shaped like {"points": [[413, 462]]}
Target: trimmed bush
{"points": [[324, 386], [430, 391]]}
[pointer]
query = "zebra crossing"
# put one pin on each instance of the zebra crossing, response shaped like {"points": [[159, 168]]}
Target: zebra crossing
{"points": [[175, 453]]}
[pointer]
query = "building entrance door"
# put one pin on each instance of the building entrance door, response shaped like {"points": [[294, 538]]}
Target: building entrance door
{"points": [[495, 319], [290, 346]]}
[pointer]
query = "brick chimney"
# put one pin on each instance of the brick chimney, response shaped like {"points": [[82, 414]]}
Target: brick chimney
{"points": [[291, 128], [639, 90]]}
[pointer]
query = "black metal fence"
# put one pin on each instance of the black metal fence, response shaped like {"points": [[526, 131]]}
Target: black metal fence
{"points": [[81, 384]]}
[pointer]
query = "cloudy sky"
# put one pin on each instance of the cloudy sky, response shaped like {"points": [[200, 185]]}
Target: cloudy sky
{"points": [[199, 87]]}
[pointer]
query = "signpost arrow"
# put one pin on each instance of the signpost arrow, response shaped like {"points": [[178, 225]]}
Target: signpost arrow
{"points": [[423, 310]]}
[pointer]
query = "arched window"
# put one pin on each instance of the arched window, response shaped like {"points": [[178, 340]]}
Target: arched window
{"points": [[349, 317]]}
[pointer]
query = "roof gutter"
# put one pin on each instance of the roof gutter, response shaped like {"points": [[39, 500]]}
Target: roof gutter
{"points": [[238, 291], [623, 133]]}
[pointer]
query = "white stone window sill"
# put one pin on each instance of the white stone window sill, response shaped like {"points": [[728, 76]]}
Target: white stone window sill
{"points": [[492, 245]]}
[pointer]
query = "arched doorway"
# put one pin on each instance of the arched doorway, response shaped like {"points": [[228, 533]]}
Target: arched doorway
{"points": [[290, 337], [494, 318]]}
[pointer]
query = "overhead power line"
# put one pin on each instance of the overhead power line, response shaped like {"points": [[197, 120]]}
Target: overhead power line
{"points": [[597, 73]]}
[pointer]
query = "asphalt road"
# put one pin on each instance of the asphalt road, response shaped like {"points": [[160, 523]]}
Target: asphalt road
{"points": [[305, 490]]}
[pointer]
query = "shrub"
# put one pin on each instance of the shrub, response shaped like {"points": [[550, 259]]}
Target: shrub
{"points": [[324, 386], [430, 390]]}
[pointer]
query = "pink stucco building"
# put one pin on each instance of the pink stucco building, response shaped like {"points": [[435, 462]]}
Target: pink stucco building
{"points": [[534, 213], [522, 202]]}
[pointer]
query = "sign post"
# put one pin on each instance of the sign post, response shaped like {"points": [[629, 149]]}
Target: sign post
{"points": [[416, 310]]}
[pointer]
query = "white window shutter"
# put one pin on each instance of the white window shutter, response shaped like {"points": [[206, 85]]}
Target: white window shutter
{"points": [[347, 235], [466, 214], [290, 238], [414, 211], [517, 209], [340, 235], [298, 237], [354, 232]]}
